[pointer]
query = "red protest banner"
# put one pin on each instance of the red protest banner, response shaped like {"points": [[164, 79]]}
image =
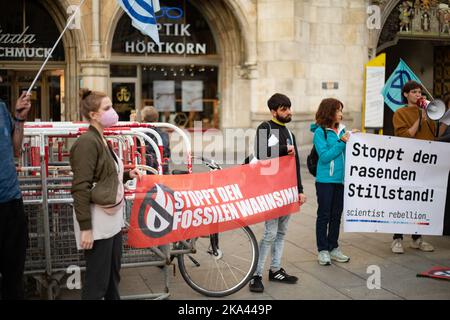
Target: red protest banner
{"points": [[178, 207]]}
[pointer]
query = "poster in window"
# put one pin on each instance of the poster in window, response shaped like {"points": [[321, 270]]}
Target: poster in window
{"points": [[164, 95], [192, 95]]}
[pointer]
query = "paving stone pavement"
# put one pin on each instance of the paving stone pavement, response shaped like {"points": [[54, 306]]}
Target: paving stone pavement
{"points": [[339, 281]]}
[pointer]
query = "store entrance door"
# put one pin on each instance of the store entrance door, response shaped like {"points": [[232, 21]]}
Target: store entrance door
{"points": [[46, 95]]}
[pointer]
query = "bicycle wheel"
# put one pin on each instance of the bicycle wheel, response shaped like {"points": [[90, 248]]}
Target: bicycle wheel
{"points": [[226, 271]]}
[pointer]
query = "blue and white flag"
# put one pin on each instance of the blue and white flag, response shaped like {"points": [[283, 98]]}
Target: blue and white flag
{"points": [[142, 13], [392, 91]]}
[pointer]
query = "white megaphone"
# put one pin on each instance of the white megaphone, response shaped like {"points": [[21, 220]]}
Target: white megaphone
{"points": [[436, 110]]}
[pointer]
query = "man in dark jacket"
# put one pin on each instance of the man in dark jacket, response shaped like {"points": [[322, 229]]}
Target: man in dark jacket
{"points": [[274, 140]]}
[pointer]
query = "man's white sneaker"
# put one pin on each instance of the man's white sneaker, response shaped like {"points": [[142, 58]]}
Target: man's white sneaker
{"points": [[422, 245], [324, 258], [397, 246], [337, 255]]}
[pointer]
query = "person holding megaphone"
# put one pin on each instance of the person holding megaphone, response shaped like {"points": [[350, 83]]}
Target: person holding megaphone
{"points": [[416, 120]]}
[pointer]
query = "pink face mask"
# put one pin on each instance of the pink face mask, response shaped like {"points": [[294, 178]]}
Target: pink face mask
{"points": [[109, 118]]}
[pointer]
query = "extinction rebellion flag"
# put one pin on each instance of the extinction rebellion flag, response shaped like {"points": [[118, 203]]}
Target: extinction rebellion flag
{"points": [[179, 207]]}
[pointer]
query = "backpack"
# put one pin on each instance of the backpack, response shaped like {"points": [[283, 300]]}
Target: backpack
{"points": [[313, 158]]}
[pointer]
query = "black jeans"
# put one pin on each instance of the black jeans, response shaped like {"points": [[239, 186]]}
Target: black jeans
{"points": [[13, 245], [330, 199], [102, 276]]}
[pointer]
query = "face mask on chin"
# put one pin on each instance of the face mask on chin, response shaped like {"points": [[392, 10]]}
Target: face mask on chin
{"points": [[109, 118]]}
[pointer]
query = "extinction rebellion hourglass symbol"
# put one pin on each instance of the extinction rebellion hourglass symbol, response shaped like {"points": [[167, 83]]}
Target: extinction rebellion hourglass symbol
{"points": [[156, 212]]}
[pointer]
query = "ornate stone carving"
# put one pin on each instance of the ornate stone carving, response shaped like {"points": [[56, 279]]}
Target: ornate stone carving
{"points": [[406, 13], [424, 18], [444, 19], [390, 28]]}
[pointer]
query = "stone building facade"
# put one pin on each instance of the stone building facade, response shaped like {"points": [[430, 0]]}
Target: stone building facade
{"points": [[306, 49]]}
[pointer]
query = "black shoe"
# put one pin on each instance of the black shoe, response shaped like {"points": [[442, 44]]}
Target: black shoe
{"points": [[256, 284], [282, 276]]}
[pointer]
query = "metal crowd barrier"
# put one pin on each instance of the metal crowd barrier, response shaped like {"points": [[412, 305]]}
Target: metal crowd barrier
{"points": [[45, 178]]}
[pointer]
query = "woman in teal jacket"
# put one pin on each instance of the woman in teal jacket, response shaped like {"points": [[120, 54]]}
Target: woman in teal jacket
{"points": [[330, 139]]}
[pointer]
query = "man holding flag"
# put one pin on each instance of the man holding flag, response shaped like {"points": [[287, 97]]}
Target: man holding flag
{"points": [[403, 94]]}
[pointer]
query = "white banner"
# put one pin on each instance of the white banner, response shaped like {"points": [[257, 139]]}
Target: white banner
{"points": [[192, 95], [164, 95], [395, 185]]}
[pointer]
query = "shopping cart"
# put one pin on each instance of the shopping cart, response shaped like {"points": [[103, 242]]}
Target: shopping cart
{"points": [[45, 178]]}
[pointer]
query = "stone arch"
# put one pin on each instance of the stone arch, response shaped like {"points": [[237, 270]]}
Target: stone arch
{"points": [[243, 10], [75, 48], [236, 12], [386, 11], [235, 37], [111, 29], [71, 38]]}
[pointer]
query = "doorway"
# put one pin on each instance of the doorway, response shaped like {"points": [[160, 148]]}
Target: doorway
{"points": [[47, 95]]}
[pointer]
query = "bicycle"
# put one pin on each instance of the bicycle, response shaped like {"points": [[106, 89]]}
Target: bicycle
{"points": [[220, 264], [216, 265]]}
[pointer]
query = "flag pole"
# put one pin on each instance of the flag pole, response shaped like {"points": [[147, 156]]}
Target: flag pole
{"points": [[54, 47], [428, 92], [423, 86]]}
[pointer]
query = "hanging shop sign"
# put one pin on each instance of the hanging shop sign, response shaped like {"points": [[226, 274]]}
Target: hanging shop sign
{"points": [[13, 45], [28, 32], [165, 48]]}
